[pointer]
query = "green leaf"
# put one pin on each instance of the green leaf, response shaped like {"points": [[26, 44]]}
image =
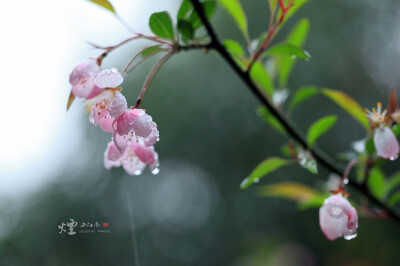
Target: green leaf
{"points": [[184, 9], [233, 47], [209, 8], [105, 4], [393, 182], [186, 30], [288, 50], [261, 77], [271, 120], [289, 190], [394, 199], [348, 104], [296, 37], [150, 50], [319, 127], [370, 146], [307, 161], [161, 25], [396, 130], [301, 95], [377, 183], [236, 51], [235, 9], [313, 202], [267, 166]]}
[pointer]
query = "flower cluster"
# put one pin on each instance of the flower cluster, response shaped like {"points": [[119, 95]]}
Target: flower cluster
{"points": [[337, 218], [385, 141], [133, 131]]}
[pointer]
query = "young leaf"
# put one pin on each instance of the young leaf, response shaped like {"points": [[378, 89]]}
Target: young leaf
{"points": [[270, 119], [235, 9], [161, 25], [301, 95], [267, 166], [307, 161], [394, 199], [184, 9], [320, 127], [296, 37], [377, 183], [348, 104], [236, 51], [105, 4], [261, 77], [186, 30], [233, 47], [289, 190], [150, 50], [313, 202], [393, 182], [289, 50]]}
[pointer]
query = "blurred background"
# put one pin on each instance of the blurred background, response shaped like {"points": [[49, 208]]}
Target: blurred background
{"points": [[192, 212]]}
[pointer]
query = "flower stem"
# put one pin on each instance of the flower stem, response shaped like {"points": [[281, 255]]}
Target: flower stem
{"points": [[151, 75]]}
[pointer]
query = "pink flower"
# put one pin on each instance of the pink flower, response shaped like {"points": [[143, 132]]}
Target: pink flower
{"points": [[132, 125], [105, 108], [338, 218], [134, 159], [108, 78], [82, 79], [386, 144]]}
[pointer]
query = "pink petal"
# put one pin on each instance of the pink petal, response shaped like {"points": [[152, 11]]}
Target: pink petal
{"points": [[84, 88], [118, 105], [145, 154], [112, 156], [101, 117], [338, 218], [386, 144], [106, 122], [123, 141], [83, 70], [108, 78], [132, 165], [151, 139]]}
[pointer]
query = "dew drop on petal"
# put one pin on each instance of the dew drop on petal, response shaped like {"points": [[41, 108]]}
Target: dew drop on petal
{"points": [[155, 171], [346, 181], [349, 237], [256, 180], [137, 172]]}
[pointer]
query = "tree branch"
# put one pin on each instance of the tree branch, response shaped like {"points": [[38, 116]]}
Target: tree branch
{"points": [[289, 126]]}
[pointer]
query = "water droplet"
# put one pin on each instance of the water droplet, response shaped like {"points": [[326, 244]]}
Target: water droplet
{"points": [[393, 158], [293, 57], [137, 172], [349, 237], [256, 180], [155, 171], [346, 181], [244, 182]]}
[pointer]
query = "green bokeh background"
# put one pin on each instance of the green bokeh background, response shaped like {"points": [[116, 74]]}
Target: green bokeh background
{"points": [[193, 212]]}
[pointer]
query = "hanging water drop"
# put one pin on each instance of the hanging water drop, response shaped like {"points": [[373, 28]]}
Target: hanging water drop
{"points": [[155, 171], [349, 237]]}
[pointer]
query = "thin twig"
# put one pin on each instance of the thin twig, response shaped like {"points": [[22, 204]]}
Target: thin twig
{"points": [[289, 126], [151, 75]]}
